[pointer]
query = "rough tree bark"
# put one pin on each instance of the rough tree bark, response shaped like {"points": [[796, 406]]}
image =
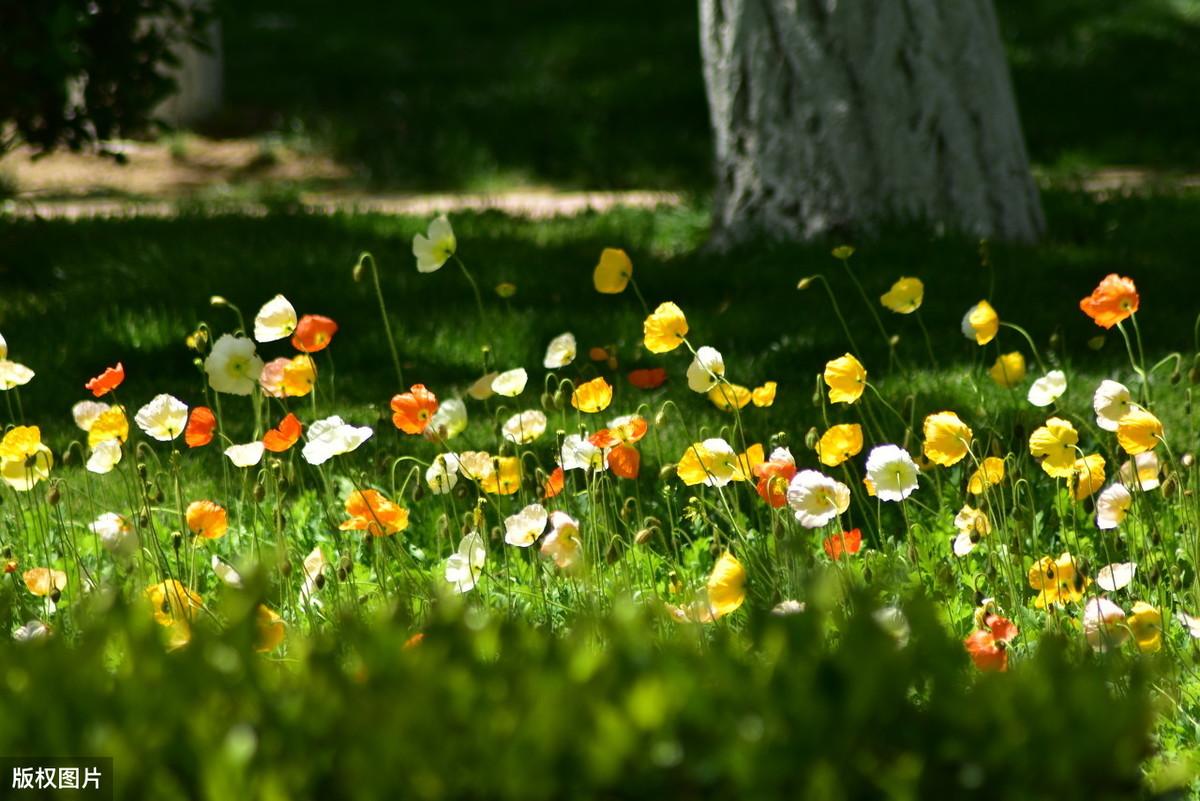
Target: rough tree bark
{"points": [[832, 114]]}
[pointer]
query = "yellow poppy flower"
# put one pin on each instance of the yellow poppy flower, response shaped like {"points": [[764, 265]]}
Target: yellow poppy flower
{"points": [[612, 274], [1009, 369], [270, 627], [1058, 581], [711, 462], [846, 379], [1087, 476], [989, 473], [665, 329], [111, 424], [299, 376], [1145, 622], [592, 397], [839, 443], [947, 438], [905, 296], [765, 395], [1139, 431], [726, 586], [24, 460], [1054, 444], [171, 602], [505, 478], [981, 323], [752, 458], [727, 397]]}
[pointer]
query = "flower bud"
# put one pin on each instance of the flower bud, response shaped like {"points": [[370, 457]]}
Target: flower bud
{"points": [[666, 472], [357, 272], [644, 536], [53, 496], [812, 438], [259, 492], [805, 282], [176, 540], [285, 569], [843, 252], [217, 300], [55, 595]]}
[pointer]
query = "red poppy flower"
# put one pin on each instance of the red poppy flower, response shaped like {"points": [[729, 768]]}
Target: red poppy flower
{"points": [[313, 333], [649, 378], [555, 483], [413, 409], [847, 542], [107, 381], [283, 436], [988, 647], [200, 427], [624, 461], [1113, 300]]}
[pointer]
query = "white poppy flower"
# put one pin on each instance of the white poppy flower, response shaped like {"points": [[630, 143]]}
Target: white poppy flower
{"points": [[1111, 402], [247, 455], [1112, 506], [115, 533], [14, 375], [448, 421], [783, 455], [33, 630], [163, 418], [275, 320], [333, 437], [704, 370], [1103, 624], [560, 352], [3, 348], [789, 607], [442, 475], [226, 573], [563, 544], [893, 621], [105, 456], [314, 578], [86, 412], [1192, 624], [892, 471], [465, 566], [1147, 468], [233, 365], [482, 388], [1047, 389], [580, 454], [510, 383], [524, 427], [816, 498], [526, 525], [476, 465], [1115, 576], [435, 249]]}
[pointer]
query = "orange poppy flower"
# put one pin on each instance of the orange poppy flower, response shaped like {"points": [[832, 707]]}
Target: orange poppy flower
{"points": [[200, 427], [988, 647], [624, 461], [773, 479], [623, 431], [649, 378], [107, 381], [283, 436], [413, 409], [414, 641], [207, 519], [373, 513], [598, 354], [849, 542], [555, 483], [1112, 301], [313, 333]]}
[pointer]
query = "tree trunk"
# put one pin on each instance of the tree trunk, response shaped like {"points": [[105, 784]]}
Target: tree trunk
{"points": [[833, 114]]}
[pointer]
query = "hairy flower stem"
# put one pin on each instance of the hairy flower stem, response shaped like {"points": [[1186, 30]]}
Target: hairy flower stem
{"points": [[364, 259]]}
